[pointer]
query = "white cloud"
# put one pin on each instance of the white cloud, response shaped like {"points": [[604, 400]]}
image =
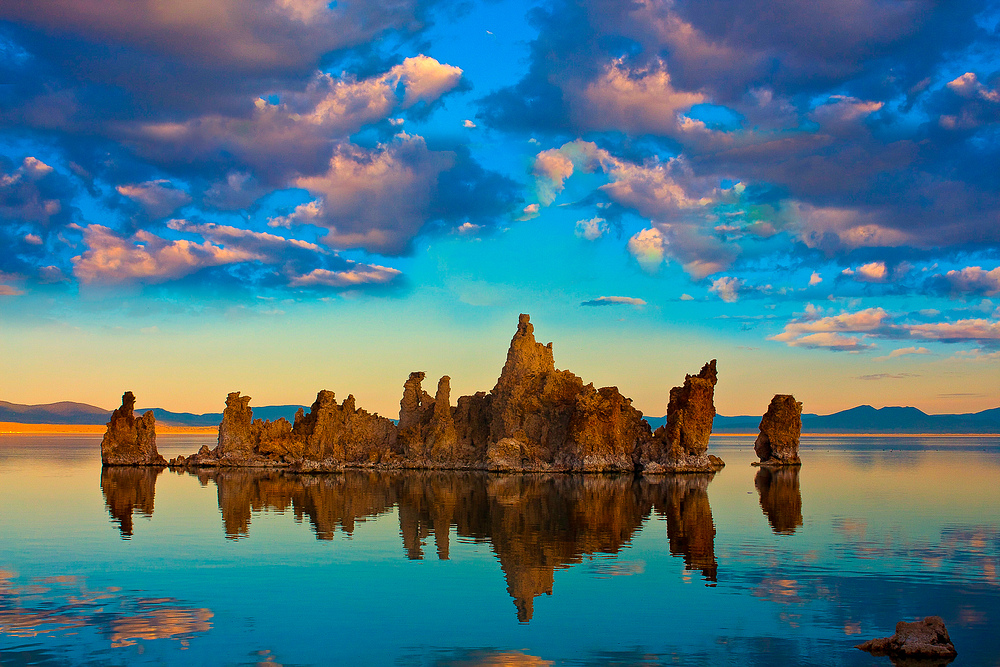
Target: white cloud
{"points": [[591, 229], [815, 279], [974, 280], [727, 288], [648, 248], [159, 198]]}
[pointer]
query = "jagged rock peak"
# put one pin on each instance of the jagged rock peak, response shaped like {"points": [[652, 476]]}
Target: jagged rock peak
{"points": [[130, 441], [780, 430], [526, 356], [235, 431], [414, 402]]}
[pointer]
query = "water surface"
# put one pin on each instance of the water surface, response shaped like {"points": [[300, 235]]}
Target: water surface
{"points": [[746, 567]]}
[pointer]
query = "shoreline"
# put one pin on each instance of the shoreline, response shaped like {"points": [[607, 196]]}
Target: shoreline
{"points": [[16, 428]]}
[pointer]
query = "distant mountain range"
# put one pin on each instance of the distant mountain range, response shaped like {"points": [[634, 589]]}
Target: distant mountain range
{"points": [[862, 419]]}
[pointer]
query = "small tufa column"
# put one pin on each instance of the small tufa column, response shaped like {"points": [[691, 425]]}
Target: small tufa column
{"points": [[130, 441], [780, 430]]}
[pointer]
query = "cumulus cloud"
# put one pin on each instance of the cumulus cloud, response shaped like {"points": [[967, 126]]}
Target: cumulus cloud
{"points": [[815, 279], [973, 280], [648, 247], [159, 198], [872, 272], [591, 229], [146, 258], [614, 301], [727, 288], [377, 200]]}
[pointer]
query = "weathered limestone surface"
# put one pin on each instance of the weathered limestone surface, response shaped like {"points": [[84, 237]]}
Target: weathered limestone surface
{"points": [[681, 444], [780, 430], [927, 639], [130, 441], [536, 418]]}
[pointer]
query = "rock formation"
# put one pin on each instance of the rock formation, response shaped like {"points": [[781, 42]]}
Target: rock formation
{"points": [[536, 418], [130, 441], [780, 497], [780, 429], [927, 639], [681, 444]]}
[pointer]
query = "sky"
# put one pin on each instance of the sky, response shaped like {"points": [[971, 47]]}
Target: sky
{"points": [[283, 196]]}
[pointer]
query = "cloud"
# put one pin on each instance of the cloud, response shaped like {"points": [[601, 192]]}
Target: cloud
{"points": [[828, 332], [972, 280], [112, 259], [8, 290], [687, 297], [904, 351], [357, 274], [727, 288], [468, 124], [873, 272], [159, 198], [887, 376], [591, 229], [614, 301], [963, 330], [648, 247], [815, 279]]}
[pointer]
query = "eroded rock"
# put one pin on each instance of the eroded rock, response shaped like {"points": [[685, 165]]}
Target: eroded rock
{"points": [[926, 639], [681, 444], [130, 441], [780, 430]]}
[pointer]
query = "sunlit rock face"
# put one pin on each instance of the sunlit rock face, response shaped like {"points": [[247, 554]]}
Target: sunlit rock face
{"points": [[543, 418], [780, 497], [130, 441], [128, 489], [920, 643], [681, 445], [536, 419], [780, 430]]}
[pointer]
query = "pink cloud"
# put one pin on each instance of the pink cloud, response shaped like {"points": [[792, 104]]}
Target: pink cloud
{"points": [[358, 274]]}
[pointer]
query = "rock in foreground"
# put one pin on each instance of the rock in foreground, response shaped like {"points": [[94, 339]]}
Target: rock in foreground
{"points": [[926, 639], [130, 441], [780, 430]]}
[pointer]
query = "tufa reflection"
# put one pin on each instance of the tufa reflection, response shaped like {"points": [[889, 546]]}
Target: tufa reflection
{"points": [[128, 490], [780, 497], [536, 524]]}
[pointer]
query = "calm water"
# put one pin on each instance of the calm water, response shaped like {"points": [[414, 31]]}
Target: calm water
{"points": [[744, 568]]}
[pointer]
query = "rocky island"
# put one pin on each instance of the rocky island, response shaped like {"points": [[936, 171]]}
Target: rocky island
{"points": [[535, 419], [130, 441], [780, 431]]}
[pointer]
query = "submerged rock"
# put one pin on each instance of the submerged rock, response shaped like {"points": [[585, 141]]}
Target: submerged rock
{"points": [[681, 444], [780, 430], [927, 639], [130, 441]]}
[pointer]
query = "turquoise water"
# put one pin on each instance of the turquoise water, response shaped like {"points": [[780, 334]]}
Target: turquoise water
{"points": [[743, 568]]}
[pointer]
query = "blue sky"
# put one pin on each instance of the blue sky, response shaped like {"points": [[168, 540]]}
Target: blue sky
{"points": [[286, 195]]}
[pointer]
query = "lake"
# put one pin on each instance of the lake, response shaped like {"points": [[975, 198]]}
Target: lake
{"points": [[744, 567]]}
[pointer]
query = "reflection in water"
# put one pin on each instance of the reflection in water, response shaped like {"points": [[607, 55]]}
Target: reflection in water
{"points": [[127, 489], [536, 524], [683, 500], [64, 605], [780, 497]]}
